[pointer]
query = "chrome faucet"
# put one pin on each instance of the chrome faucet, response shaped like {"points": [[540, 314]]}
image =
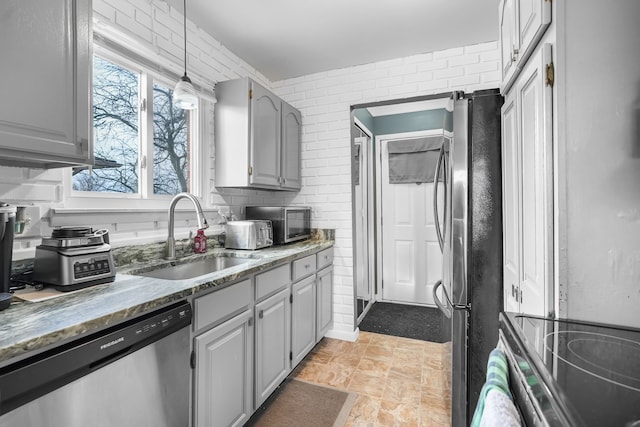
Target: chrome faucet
{"points": [[202, 221]]}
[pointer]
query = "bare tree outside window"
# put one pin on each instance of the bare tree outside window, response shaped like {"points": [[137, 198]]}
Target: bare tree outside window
{"points": [[117, 142]]}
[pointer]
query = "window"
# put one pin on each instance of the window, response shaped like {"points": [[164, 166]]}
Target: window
{"points": [[143, 145]]}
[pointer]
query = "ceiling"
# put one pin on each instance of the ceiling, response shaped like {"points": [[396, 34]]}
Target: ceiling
{"points": [[291, 38]]}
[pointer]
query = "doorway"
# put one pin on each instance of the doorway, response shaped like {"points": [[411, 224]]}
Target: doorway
{"points": [[414, 271]]}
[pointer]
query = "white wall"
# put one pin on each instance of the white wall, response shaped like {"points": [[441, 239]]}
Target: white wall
{"points": [[599, 143], [325, 100]]}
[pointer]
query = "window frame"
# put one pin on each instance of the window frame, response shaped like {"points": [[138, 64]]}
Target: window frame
{"points": [[144, 198]]}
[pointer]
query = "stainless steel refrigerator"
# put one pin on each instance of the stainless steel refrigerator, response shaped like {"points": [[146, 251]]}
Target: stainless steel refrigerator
{"points": [[470, 231]]}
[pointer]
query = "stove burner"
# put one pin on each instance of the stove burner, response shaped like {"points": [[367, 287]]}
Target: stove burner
{"points": [[609, 358]]}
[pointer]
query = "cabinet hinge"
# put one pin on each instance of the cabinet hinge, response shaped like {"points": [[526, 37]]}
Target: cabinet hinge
{"points": [[250, 170], [291, 299], [192, 360], [250, 93], [549, 74], [250, 321]]}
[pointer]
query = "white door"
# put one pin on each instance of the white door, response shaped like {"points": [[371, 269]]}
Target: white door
{"points": [[411, 257]]}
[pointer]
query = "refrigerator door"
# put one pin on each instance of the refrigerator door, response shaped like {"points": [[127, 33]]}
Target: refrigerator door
{"points": [[456, 289]]}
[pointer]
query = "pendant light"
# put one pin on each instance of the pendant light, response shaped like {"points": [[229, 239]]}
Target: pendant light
{"points": [[184, 94]]}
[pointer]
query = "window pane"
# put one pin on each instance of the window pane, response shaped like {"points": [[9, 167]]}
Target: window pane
{"points": [[115, 131], [170, 143]]}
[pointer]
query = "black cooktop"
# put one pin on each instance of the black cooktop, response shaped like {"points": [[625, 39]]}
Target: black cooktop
{"points": [[591, 372]]}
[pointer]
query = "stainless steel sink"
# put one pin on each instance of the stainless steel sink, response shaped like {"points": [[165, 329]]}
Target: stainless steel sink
{"points": [[190, 270]]}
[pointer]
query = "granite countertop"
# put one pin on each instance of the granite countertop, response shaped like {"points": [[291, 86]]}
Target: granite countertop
{"points": [[30, 327]]}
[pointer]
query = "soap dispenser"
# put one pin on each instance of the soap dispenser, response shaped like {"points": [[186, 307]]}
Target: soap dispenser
{"points": [[200, 242]]}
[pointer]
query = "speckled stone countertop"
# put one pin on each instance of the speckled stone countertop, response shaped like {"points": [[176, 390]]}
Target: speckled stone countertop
{"points": [[30, 327]]}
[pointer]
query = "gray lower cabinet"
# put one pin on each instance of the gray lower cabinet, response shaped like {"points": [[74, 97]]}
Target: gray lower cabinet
{"points": [[273, 323], [248, 336], [303, 318], [224, 373], [325, 301]]}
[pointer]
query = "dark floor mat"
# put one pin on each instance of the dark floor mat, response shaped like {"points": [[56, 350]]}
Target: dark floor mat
{"points": [[408, 321]]}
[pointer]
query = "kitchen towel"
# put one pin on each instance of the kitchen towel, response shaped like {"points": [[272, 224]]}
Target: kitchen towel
{"points": [[493, 410], [413, 160]]}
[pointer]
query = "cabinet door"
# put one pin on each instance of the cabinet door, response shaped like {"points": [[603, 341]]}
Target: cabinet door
{"points": [[508, 40], [534, 16], [224, 373], [45, 82], [273, 346], [265, 137], [535, 134], [324, 301], [511, 202], [303, 318], [291, 133]]}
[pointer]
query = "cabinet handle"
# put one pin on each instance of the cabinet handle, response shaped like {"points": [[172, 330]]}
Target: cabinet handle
{"points": [[250, 321], [514, 55], [261, 314], [520, 292], [513, 291]]}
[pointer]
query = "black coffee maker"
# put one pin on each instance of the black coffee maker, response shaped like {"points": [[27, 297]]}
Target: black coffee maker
{"points": [[7, 225]]}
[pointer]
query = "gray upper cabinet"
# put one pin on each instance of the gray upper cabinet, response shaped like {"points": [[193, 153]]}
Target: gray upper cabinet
{"points": [[290, 156], [45, 69], [257, 138]]}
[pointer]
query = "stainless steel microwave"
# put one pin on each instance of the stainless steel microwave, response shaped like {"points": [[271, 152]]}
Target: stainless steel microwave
{"points": [[290, 224]]}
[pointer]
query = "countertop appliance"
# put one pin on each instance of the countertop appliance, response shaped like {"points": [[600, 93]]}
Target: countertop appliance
{"points": [[250, 234], [74, 258], [133, 374], [7, 223], [470, 291], [290, 224], [572, 373]]}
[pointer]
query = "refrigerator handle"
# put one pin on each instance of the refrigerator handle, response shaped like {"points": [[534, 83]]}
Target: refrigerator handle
{"points": [[436, 219], [443, 308]]}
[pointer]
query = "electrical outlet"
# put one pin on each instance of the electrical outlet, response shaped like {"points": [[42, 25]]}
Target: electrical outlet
{"points": [[28, 222]]}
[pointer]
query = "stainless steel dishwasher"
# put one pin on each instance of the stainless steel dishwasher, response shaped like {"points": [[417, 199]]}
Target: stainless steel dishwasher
{"points": [[133, 374]]}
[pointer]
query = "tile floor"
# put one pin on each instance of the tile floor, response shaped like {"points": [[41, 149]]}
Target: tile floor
{"points": [[399, 381]]}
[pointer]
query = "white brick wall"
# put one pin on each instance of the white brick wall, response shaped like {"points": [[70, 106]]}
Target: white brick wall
{"points": [[325, 100]]}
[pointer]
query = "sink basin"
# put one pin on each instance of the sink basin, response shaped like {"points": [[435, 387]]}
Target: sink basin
{"points": [[197, 268]]}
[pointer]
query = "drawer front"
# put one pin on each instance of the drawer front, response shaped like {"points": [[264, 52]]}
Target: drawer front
{"points": [[325, 258], [303, 267], [272, 280], [218, 305]]}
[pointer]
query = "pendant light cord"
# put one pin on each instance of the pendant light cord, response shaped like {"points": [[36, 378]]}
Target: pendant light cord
{"points": [[184, 10]]}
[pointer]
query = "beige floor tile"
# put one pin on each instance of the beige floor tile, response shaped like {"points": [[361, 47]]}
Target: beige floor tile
{"points": [[379, 352], [338, 376], [346, 359], [308, 371], [403, 392], [365, 337], [364, 411], [383, 340], [377, 367], [370, 385], [355, 348], [394, 414], [409, 372]]}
